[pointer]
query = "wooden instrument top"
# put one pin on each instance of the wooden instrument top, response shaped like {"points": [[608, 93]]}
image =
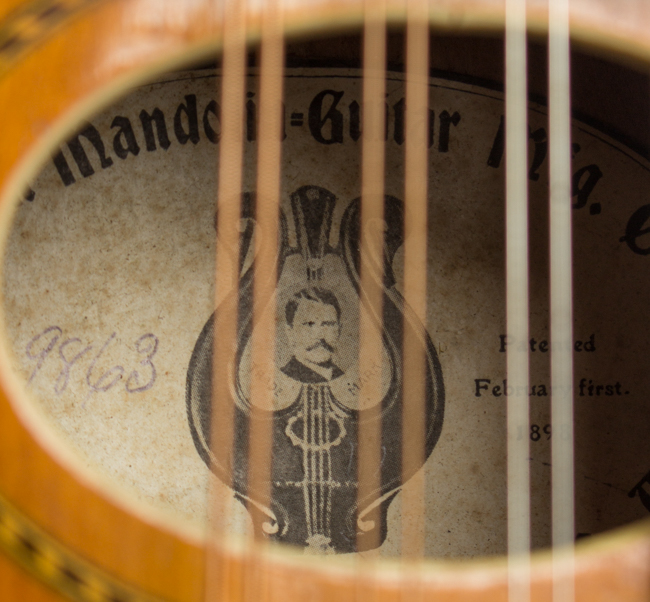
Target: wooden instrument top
{"points": [[60, 62]]}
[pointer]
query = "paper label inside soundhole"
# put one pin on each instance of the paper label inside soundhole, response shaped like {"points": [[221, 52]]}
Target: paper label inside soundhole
{"points": [[109, 288]]}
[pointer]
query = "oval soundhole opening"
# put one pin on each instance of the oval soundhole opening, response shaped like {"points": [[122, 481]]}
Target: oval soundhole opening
{"points": [[109, 300]]}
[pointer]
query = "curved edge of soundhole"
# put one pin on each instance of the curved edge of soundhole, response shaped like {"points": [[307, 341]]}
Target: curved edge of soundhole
{"points": [[600, 547], [31, 417]]}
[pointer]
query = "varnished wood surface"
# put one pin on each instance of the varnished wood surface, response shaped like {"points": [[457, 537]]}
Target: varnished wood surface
{"points": [[17, 584], [86, 62]]}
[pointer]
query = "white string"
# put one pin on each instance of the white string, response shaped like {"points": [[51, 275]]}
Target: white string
{"points": [[517, 303], [563, 527]]}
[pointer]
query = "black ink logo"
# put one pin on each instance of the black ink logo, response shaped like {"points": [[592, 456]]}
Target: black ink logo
{"points": [[316, 403]]}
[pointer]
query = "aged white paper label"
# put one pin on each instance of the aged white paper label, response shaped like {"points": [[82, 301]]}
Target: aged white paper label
{"points": [[109, 288]]}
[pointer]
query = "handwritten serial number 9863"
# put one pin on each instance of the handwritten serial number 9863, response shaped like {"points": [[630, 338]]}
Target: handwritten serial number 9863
{"points": [[73, 353]]}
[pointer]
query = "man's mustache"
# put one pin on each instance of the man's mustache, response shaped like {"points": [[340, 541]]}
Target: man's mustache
{"points": [[322, 343]]}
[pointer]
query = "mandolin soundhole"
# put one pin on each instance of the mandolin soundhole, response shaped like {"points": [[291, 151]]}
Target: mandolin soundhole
{"points": [[109, 303]]}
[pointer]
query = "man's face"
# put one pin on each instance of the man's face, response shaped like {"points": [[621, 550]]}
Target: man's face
{"points": [[315, 331]]}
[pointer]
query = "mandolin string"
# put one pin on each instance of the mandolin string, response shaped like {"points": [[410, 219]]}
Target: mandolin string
{"points": [[371, 268], [267, 212], [518, 452], [562, 471], [222, 580], [415, 277]]}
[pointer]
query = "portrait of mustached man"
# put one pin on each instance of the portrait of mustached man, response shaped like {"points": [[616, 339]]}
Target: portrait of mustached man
{"points": [[313, 326], [317, 409]]}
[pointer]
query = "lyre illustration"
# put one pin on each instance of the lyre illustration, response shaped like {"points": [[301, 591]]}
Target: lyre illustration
{"points": [[316, 391]]}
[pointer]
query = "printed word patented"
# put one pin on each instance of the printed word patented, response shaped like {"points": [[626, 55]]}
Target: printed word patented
{"points": [[74, 356], [543, 346]]}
